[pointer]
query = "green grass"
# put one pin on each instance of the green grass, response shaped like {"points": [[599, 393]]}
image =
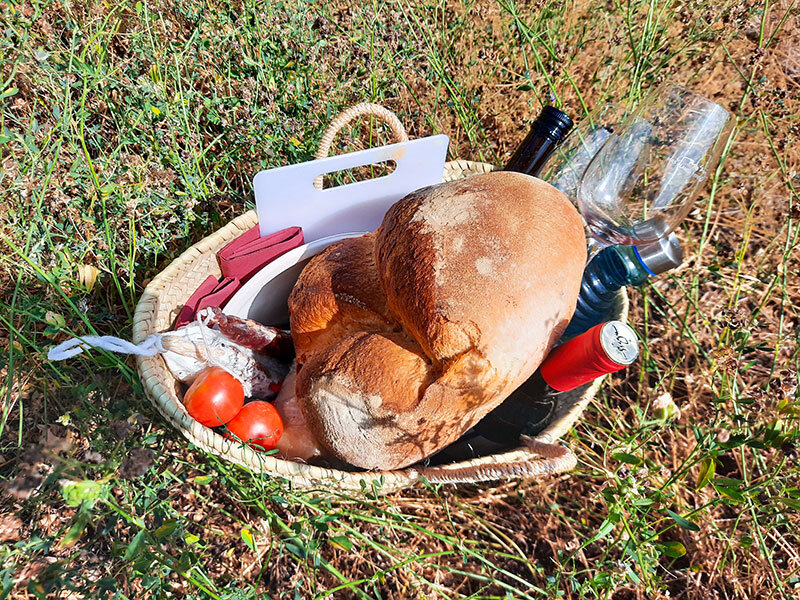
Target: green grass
{"points": [[128, 131]]}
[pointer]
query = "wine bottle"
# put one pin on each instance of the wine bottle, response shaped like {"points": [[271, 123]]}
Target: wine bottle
{"points": [[606, 348], [547, 131], [613, 268]]}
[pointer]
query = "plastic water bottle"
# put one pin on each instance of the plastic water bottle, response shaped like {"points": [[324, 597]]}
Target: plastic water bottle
{"points": [[613, 268]]}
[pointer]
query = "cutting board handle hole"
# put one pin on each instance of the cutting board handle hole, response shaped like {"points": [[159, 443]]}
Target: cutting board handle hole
{"points": [[361, 173]]}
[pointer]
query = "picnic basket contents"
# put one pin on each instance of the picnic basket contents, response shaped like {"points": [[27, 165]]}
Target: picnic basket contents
{"points": [[407, 334], [407, 337]]}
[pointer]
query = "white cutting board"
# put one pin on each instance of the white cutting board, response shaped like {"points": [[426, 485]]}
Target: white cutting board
{"points": [[286, 196]]}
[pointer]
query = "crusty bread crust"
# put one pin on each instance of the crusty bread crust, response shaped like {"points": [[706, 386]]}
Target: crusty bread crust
{"points": [[409, 336], [337, 293]]}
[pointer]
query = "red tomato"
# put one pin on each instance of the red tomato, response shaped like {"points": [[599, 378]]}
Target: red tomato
{"points": [[214, 397], [259, 424]]}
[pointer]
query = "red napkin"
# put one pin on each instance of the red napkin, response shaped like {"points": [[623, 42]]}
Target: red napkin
{"points": [[248, 253], [220, 294], [239, 261], [190, 308]]}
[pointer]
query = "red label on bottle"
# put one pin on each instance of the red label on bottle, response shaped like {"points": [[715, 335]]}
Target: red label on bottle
{"points": [[578, 361]]}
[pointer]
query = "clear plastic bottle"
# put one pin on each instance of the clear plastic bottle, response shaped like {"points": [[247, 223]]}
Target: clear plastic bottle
{"points": [[613, 268]]}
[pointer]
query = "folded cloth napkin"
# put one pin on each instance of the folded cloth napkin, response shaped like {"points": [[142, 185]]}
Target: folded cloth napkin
{"points": [[190, 308], [221, 293], [239, 261], [249, 252]]}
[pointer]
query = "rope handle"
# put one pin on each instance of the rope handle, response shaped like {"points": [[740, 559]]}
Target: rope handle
{"points": [[347, 115], [556, 459]]}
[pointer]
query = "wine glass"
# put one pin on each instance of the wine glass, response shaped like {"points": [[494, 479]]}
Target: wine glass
{"points": [[565, 166], [641, 183]]}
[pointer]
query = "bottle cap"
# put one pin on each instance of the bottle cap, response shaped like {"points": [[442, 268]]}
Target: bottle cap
{"points": [[553, 123], [605, 348], [619, 342], [660, 256]]}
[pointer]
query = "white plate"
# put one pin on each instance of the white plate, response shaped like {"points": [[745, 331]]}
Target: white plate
{"points": [[264, 298]]}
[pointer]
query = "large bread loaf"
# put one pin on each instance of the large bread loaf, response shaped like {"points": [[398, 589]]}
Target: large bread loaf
{"points": [[408, 336]]}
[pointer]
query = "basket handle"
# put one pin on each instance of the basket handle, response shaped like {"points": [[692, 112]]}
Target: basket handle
{"points": [[557, 459], [364, 108]]}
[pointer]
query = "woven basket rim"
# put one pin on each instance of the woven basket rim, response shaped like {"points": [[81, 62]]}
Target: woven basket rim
{"points": [[156, 309]]}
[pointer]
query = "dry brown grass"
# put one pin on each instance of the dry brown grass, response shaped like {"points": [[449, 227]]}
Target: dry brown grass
{"points": [[719, 330]]}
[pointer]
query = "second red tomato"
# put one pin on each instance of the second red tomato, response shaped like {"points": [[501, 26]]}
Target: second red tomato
{"points": [[259, 424]]}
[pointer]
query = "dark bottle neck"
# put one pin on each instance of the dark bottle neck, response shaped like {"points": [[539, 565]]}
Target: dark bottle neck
{"points": [[547, 131]]}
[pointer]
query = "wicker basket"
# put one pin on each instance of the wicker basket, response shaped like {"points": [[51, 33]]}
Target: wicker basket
{"points": [[164, 297]]}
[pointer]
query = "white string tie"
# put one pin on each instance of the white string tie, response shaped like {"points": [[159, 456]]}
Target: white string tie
{"points": [[149, 347]]}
